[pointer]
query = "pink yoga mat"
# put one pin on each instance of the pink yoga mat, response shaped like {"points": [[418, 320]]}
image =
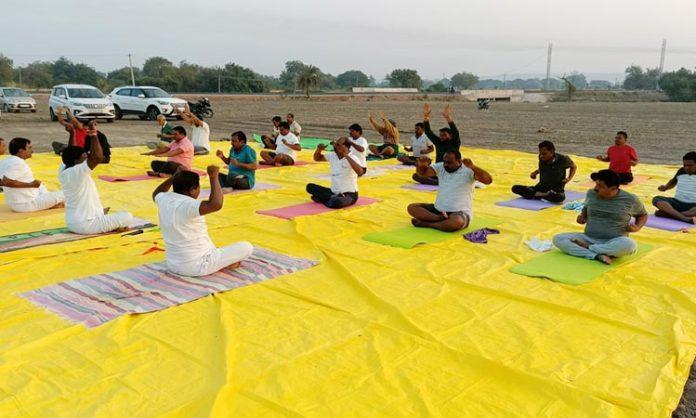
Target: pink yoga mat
{"points": [[667, 224], [205, 193], [310, 208], [141, 177], [529, 204], [297, 163]]}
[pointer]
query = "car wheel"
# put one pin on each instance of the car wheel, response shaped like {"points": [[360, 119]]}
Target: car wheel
{"points": [[52, 114], [33, 110], [117, 112], [152, 113]]}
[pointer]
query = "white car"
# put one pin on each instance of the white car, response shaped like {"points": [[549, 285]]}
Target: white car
{"points": [[84, 101], [13, 99], [145, 101]]}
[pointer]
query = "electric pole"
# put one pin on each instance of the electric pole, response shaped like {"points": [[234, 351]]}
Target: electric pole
{"points": [[662, 63], [548, 66], [130, 64]]}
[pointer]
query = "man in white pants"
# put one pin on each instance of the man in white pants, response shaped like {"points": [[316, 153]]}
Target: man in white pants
{"points": [[23, 193], [84, 213], [189, 249]]}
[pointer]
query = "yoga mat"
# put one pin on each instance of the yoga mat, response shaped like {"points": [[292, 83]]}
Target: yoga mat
{"points": [[564, 268], [21, 241], [257, 138], [141, 177], [636, 180], [6, 213], [311, 143], [97, 299], [528, 204], [410, 236], [667, 224], [297, 163], [205, 193], [310, 208]]}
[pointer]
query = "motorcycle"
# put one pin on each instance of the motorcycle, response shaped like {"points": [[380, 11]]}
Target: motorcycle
{"points": [[202, 108]]}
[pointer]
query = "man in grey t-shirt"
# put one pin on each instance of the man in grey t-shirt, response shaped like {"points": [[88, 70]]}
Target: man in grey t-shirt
{"points": [[607, 218]]}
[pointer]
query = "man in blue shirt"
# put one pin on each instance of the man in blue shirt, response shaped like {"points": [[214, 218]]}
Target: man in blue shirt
{"points": [[241, 162]]}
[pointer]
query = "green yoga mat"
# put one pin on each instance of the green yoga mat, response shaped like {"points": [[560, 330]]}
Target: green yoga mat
{"points": [[410, 236], [305, 143], [564, 268]]}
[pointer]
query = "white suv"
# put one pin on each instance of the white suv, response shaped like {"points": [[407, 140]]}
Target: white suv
{"points": [[85, 102], [145, 101], [13, 99]]}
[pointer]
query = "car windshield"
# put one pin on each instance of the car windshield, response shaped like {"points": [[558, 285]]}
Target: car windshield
{"points": [[15, 93], [85, 93], [156, 93]]}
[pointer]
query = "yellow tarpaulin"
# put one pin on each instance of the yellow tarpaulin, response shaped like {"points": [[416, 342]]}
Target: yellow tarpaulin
{"points": [[438, 330]]}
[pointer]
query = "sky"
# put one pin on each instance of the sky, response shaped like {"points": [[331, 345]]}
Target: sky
{"points": [[437, 37]]}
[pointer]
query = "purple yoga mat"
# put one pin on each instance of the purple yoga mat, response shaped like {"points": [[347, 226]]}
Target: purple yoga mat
{"points": [[311, 208], [667, 224], [528, 204], [421, 187]]}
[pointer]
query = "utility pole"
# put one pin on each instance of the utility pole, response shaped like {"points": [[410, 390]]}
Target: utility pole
{"points": [[504, 80], [219, 81], [662, 63], [130, 64], [548, 66]]}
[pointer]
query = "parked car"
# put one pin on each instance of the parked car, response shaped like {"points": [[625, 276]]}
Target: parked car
{"points": [[13, 99], [84, 101], [147, 102]]}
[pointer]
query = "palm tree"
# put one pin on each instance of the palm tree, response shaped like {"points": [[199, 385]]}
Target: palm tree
{"points": [[308, 79]]}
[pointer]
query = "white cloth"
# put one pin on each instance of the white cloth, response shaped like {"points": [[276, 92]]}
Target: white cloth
{"points": [[200, 135], [360, 157], [343, 178], [295, 128], [26, 199], [539, 245], [103, 223], [188, 247], [456, 190], [82, 204], [284, 149], [420, 144]]}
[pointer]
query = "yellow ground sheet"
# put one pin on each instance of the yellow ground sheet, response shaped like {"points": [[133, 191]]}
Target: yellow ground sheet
{"points": [[437, 330]]}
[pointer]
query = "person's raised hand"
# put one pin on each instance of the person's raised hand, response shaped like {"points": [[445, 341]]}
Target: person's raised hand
{"points": [[662, 188], [582, 219], [212, 170], [633, 228], [285, 141], [322, 146], [219, 154], [92, 132], [426, 112], [533, 175], [447, 113], [36, 183], [467, 162]]}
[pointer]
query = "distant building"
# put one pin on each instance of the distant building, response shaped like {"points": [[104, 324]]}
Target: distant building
{"points": [[384, 90], [510, 95]]}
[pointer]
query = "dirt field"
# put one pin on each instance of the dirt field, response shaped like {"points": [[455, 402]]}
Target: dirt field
{"points": [[662, 132]]}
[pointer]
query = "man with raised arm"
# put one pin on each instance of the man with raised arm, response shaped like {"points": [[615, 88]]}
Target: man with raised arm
{"points": [[84, 213], [344, 177], [200, 131], [453, 208], [188, 247], [447, 141], [390, 137]]}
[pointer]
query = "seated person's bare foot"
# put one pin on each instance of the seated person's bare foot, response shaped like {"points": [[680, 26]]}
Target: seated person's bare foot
{"points": [[605, 259], [106, 210], [278, 164], [235, 265], [693, 220], [59, 205], [416, 222], [580, 242], [153, 174]]}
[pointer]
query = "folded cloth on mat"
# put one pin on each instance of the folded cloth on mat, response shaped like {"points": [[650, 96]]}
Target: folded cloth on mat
{"points": [[410, 236], [575, 205], [668, 224], [141, 177], [205, 193], [100, 298], [310, 208], [539, 245], [480, 236], [561, 267], [6, 213], [534, 204], [54, 236], [265, 166]]}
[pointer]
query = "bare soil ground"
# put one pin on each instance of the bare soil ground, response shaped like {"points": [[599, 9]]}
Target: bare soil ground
{"points": [[662, 132]]}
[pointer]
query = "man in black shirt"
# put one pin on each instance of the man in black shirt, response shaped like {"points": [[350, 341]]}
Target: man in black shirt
{"points": [[447, 141], [552, 175]]}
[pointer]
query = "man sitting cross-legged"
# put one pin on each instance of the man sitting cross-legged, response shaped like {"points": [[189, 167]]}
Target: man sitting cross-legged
{"points": [[453, 209], [23, 193], [269, 140], [607, 219], [84, 213], [286, 147], [552, 175], [241, 163], [179, 153], [344, 177], [188, 247], [683, 205], [448, 140], [420, 146]]}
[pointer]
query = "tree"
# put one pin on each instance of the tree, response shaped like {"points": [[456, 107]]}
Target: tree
{"points": [[122, 77], [38, 74], [309, 78], [66, 71], [352, 78], [637, 79], [289, 76], [438, 87], [405, 78], [679, 85], [464, 80], [570, 87], [6, 70], [578, 80]]}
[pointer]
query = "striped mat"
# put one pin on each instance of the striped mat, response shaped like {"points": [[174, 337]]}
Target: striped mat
{"points": [[97, 299]]}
